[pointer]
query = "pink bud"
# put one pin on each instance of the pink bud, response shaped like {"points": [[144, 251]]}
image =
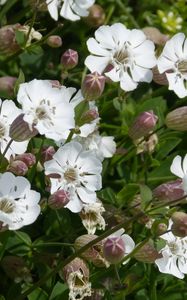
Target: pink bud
{"points": [[47, 153], [28, 158], [96, 16], [177, 119], [169, 191], [179, 226], [7, 85], [59, 199], [18, 167], [154, 34], [160, 78], [8, 44], [147, 253], [69, 59], [114, 249], [90, 115], [143, 125], [20, 131], [54, 41], [93, 86]]}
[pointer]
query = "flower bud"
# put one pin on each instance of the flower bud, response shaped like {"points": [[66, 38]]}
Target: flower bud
{"points": [[18, 167], [179, 226], [7, 85], [147, 253], [69, 59], [28, 158], [20, 130], [93, 86], [59, 199], [160, 229], [54, 41], [114, 249], [8, 44], [177, 119], [47, 153], [169, 191], [143, 125], [90, 116], [93, 254], [159, 78], [96, 16], [155, 35], [76, 274], [16, 268]]}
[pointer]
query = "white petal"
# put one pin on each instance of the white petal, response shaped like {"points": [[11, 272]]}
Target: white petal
{"points": [[75, 205], [95, 48], [126, 83], [97, 63], [86, 196], [114, 74], [176, 84], [176, 167]]}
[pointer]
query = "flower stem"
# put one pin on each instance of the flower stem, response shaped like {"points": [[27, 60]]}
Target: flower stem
{"points": [[5, 151]]}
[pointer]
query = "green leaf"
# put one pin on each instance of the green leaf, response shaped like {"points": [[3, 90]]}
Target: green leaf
{"points": [[19, 243], [146, 194], [21, 79], [108, 195], [20, 38], [38, 294], [127, 193], [58, 291], [166, 146]]}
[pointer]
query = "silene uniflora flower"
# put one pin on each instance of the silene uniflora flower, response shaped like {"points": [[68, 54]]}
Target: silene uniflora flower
{"points": [[18, 203], [8, 112], [69, 9], [129, 53], [179, 168], [174, 255], [91, 215], [47, 107], [173, 61], [79, 173]]}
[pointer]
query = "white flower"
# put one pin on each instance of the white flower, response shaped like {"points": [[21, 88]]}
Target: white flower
{"points": [[8, 112], [18, 203], [47, 107], [173, 61], [70, 9], [2, 2], [91, 215], [128, 51], [180, 169], [174, 255], [80, 174]]}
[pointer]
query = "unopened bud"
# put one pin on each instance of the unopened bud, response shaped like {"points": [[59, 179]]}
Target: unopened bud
{"points": [[69, 59], [59, 199], [93, 86], [76, 274], [90, 115], [7, 85], [160, 229], [16, 268], [28, 158], [169, 191], [93, 254], [177, 119], [96, 16], [47, 153], [147, 253], [179, 226], [54, 41], [8, 44], [18, 167], [155, 35], [114, 249], [143, 125], [159, 78], [20, 130]]}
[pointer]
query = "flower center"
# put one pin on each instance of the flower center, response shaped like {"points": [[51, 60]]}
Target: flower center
{"points": [[2, 130], [41, 113], [122, 56], [70, 175], [182, 67], [174, 248], [6, 206]]}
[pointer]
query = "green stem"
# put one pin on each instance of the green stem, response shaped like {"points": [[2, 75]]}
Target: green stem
{"points": [[5, 151], [117, 275], [30, 28], [55, 244], [33, 170], [111, 10], [123, 8]]}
